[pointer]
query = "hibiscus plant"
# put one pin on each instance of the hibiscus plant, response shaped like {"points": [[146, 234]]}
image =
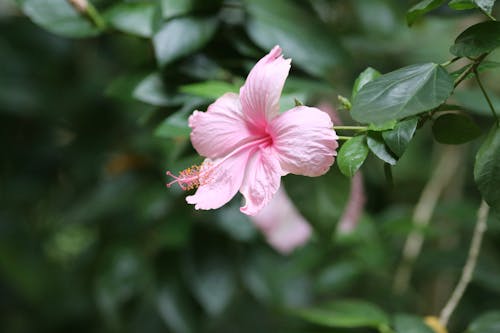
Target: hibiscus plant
{"points": [[382, 152]]}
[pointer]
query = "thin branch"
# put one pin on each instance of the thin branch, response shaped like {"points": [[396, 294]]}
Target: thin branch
{"points": [[352, 128], [443, 174], [469, 70], [490, 104], [470, 264]]}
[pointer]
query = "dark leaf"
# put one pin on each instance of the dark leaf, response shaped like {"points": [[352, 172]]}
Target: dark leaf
{"points": [[378, 147], [133, 18], [487, 323], [477, 39], [421, 8], [398, 138], [455, 128], [404, 323], [487, 168]]}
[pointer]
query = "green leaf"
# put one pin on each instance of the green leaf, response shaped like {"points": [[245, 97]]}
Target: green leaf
{"points": [[277, 21], [421, 8], [209, 89], [369, 74], [487, 168], [378, 147], [405, 92], [153, 91], [59, 17], [172, 8], [352, 154], [174, 309], [462, 4], [211, 279], [398, 138], [477, 39], [404, 323], [455, 128], [383, 127], [176, 125], [345, 313], [182, 36], [133, 18], [486, 323]]}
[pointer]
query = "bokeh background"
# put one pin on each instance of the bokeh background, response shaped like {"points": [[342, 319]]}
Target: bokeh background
{"points": [[90, 120]]}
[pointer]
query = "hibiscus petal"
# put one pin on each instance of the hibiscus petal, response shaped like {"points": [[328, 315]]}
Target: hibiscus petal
{"points": [[262, 180], [221, 181], [281, 223], [221, 129], [261, 92], [305, 141]]}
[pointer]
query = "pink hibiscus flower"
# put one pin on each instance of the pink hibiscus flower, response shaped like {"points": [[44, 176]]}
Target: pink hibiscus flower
{"points": [[248, 145]]}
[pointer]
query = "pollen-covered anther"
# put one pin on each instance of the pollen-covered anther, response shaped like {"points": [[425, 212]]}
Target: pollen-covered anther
{"points": [[191, 177]]}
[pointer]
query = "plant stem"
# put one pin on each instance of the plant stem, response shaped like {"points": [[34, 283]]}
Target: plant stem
{"points": [[492, 108], [353, 128], [469, 70], [344, 138], [441, 177], [449, 62], [470, 264], [95, 17]]}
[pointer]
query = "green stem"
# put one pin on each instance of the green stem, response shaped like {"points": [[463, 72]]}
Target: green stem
{"points": [[449, 62], [95, 17], [469, 70], [344, 138], [492, 108], [353, 128], [488, 14]]}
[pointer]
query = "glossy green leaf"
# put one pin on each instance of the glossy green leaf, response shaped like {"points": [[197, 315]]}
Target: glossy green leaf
{"points": [[209, 89], [462, 4], [405, 92], [182, 36], [283, 22], [422, 8], [486, 323], [59, 17], [487, 168], [366, 76], [133, 18], [455, 128], [378, 147], [477, 39], [404, 323], [383, 127], [398, 138], [352, 154], [345, 313]]}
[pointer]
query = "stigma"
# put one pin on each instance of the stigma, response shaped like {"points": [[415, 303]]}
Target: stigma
{"points": [[190, 178]]}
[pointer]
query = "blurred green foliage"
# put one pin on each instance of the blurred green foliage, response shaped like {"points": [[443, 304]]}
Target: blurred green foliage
{"points": [[91, 241]]}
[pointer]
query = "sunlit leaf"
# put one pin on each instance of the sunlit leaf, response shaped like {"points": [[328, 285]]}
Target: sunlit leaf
{"points": [[366, 76], [352, 154], [405, 92]]}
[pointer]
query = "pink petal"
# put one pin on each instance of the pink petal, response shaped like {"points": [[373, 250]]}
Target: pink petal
{"points": [[261, 92], [283, 226], [221, 182], [305, 141], [221, 129], [262, 180]]}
